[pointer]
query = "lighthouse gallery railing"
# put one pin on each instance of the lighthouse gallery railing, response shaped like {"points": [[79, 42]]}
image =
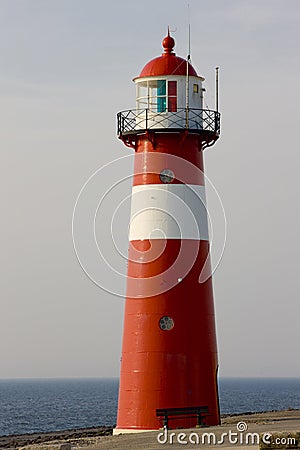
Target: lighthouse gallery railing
{"points": [[134, 121]]}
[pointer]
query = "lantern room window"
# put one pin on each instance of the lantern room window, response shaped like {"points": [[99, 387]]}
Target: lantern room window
{"points": [[161, 95], [157, 95]]}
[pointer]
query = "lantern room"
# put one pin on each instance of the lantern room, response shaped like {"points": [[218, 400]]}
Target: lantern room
{"points": [[169, 97]]}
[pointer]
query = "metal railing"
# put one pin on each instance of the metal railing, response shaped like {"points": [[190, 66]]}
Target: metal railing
{"points": [[134, 121]]}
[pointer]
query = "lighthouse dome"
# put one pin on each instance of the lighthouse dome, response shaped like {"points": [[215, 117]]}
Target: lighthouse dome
{"points": [[168, 63]]}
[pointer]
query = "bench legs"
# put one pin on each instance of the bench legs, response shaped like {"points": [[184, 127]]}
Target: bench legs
{"points": [[200, 421], [166, 421]]}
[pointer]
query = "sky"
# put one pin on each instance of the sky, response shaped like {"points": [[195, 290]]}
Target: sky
{"points": [[66, 70]]}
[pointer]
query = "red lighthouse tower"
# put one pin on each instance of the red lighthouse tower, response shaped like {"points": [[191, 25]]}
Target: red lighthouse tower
{"points": [[169, 355]]}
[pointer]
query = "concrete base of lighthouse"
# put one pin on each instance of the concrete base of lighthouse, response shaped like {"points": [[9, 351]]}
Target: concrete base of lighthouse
{"points": [[117, 431]]}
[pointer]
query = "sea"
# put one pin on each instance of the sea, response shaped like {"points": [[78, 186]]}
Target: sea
{"points": [[41, 405]]}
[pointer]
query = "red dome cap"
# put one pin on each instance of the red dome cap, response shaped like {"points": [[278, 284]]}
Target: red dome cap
{"points": [[168, 63], [168, 43]]}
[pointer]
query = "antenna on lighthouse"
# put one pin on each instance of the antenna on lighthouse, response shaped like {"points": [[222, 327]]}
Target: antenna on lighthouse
{"points": [[217, 89], [187, 74], [189, 32], [189, 52]]}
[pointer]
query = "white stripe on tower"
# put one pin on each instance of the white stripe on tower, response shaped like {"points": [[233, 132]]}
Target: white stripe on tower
{"points": [[169, 211]]}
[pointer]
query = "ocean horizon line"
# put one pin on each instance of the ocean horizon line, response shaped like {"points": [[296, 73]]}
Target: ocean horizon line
{"points": [[290, 377]]}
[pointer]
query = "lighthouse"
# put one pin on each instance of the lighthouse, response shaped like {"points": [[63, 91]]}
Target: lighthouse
{"points": [[169, 359]]}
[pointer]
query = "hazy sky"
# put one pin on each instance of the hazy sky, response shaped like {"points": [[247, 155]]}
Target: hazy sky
{"points": [[66, 69]]}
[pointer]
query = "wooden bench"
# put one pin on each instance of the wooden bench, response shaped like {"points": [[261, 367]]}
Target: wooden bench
{"points": [[165, 414]]}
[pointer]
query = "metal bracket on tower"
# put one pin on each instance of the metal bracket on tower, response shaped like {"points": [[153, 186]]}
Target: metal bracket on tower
{"points": [[129, 141]]}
